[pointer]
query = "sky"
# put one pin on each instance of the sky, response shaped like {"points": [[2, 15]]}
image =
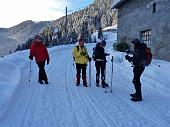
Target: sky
{"points": [[13, 12]]}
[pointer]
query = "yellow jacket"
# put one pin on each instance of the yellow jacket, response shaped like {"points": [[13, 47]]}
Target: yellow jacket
{"points": [[80, 54]]}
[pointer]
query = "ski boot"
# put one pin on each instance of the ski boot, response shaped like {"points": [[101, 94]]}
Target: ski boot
{"points": [[133, 95], [46, 82], [78, 80], [84, 81], [40, 81], [135, 99], [97, 81], [104, 84]]}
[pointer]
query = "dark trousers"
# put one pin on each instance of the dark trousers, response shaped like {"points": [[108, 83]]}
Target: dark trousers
{"points": [[80, 67], [42, 73], [100, 68], [137, 71]]}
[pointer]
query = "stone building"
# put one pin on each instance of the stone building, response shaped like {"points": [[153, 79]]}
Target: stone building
{"points": [[148, 20]]}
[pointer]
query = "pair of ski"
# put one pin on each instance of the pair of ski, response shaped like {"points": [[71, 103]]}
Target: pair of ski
{"points": [[106, 88]]}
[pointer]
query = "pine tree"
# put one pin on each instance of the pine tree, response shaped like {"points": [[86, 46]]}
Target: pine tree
{"points": [[18, 48], [94, 41], [84, 33], [74, 36], [100, 33], [47, 34]]}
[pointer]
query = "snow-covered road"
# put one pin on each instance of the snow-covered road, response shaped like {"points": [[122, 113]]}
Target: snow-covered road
{"points": [[62, 104]]}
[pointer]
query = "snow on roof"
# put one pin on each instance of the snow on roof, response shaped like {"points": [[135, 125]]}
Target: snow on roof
{"points": [[110, 28], [117, 3]]}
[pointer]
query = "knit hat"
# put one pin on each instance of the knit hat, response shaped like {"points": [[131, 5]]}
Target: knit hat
{"points": [[136, 41], [81, 39]]}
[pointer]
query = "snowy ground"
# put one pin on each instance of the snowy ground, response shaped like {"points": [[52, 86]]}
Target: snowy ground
{"points": [[62, 104]]}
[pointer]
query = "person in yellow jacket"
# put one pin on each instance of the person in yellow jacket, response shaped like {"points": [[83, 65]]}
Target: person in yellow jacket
{"points": [[81, 58]]}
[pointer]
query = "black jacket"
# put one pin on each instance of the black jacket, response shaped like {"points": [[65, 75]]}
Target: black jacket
{"points": [[99, 53], [139, 55]]}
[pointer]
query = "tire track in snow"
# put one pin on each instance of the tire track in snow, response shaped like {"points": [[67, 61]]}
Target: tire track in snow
{"points": [[74, 99], [15, 112], [148, 109], [62, 104], [90, 104], [137, 113], [65, 100], [85, 109]]}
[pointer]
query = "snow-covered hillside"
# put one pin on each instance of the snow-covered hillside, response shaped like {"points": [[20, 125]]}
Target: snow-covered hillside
{"points": [[62, 104]]}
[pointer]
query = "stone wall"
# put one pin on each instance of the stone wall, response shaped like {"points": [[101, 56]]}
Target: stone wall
{"points": [[135, 16]]}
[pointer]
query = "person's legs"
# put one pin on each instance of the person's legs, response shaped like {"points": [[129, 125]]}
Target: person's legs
{"points": [[78, 69], [84, 67], [103, 67], [42, 73], [138, 70], [97, 64]]}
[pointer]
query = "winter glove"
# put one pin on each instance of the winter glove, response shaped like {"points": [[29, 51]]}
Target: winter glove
{"points": [[94, 58], [48, 61], [128, 52], [89, 58], [31, 57], [128, 58], [107, 54]]}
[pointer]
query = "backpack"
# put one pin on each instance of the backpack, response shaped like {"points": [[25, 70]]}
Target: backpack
{"points": [[98, 53], [148, 56]]}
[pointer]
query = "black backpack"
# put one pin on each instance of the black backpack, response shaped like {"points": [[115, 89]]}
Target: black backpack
{"points": [[98, 52]]}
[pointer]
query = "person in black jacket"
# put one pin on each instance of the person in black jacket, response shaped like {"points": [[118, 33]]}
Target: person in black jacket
{"points": [[99, 56], [138, 67]]}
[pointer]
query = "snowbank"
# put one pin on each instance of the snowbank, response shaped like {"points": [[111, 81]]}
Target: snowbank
{"points": [[10, 74]]}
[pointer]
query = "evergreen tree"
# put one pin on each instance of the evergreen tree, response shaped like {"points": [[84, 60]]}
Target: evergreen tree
{"points": [[100, 33], [74, 36], [18, 48], [94, 41], [84, 33], [47, 34]]}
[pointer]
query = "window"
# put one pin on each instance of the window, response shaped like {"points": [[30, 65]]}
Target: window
{"points": [[146, 37], [154, 7]]}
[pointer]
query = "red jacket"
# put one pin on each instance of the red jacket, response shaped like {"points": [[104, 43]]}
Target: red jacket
{"points": [[40, 52]]}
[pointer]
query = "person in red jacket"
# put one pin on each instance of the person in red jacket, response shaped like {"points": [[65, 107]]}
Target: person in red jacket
{"points": [[40, 52]]}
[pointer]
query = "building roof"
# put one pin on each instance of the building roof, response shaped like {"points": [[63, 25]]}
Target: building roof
{"points": [[110, 28], [117, 3]]}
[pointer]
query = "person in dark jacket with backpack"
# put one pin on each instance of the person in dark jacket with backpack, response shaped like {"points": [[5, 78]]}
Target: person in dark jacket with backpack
{"points": [[138, 61], [40, 52], [99, 56]]}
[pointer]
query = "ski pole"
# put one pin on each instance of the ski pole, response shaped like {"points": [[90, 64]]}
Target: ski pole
{"points": [[105, 79], [73, 64], [111, 75], [30, 73], [156, 64], [74, 80], [90, 73]]}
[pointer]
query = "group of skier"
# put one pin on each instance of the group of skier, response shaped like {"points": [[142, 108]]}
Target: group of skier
{"points": [[81, 59]]}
